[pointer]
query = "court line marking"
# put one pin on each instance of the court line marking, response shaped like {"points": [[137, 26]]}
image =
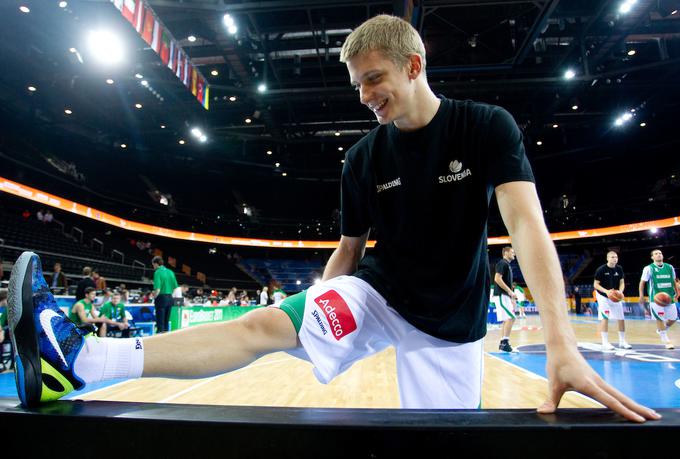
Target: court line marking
{"points": [[537, 376], [77, 396], [206, 381]]}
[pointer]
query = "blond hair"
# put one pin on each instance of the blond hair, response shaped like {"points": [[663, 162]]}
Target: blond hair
{"points": [[394, 37]]}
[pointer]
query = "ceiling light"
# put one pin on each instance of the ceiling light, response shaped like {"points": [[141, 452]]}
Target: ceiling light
{"points": [[214, 73], [555, 126], [230, 24], [618, 122], [196, 132], [232, 98], [109, 81], [674, 12], [285, 174], [191, 38], [68, 111], [138, 105], [643, 124], [626, 116], [203, 138], [63, 4], [342, 161], [626, 6], [269, 152], [24, 9], [261, 87], [232, 30], [181, 142], [340, 148], [277, 164], [569, 74], [32, 88], [139, 76], [539, 143], [574, 107], [72, 50], [297, 282], [653, 230], [631, 52], [144, 83], [106, 46], [162, 126], [337, 133], [122, 145], [248, 121]]}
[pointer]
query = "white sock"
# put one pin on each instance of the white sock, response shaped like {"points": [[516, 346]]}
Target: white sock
{"points": [[505, 337], [101, 359], [622, 337], [605, 337], [663, 335]]}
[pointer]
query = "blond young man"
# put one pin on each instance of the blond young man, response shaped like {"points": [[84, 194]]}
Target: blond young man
{"points": [[449, 154]]}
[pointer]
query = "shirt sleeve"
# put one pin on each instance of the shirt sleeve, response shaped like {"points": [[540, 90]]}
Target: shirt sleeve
{"points": [[354, 219], [646, 274], [156, 280], [598, 274], [500, 268], [623, 275], [507, 158]]}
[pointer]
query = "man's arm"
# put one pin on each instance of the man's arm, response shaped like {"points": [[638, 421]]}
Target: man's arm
{"points": [[498, 278], [641, 291], [345, 258], [622, 285], [566, 367], [600, 288]]}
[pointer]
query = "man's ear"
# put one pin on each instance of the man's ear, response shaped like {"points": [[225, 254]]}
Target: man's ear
{"points": [[415, 66]]}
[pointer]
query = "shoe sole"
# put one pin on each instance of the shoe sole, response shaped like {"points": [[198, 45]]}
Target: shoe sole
{"points": [[23, 333]]}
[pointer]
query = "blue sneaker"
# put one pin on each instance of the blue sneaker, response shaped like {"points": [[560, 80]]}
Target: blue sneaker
{"points": [[46, 343]]}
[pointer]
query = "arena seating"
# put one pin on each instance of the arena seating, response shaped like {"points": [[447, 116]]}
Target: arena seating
{"points": [[287, 272]]}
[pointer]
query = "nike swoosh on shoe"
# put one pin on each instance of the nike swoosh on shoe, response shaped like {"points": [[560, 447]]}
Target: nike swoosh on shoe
{"points": [[46, 317]]}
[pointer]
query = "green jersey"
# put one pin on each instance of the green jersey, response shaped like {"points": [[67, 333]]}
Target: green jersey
{"points": [[75, 318], [3, 316], [164, 281], [113, 312], [660, 279]]}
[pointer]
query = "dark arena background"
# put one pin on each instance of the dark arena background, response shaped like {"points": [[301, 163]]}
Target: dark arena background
{"points": [[213, 133]]}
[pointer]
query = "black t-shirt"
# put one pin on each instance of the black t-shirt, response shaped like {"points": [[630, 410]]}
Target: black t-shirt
{"points": [[503, 268], [426, 193], [82, 285], [609, 277]]}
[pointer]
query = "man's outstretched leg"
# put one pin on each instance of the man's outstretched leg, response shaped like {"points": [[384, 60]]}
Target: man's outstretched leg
{"points": [[54, 357]]}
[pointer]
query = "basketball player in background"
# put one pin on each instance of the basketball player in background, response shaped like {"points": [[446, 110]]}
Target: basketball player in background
{"points": [[608, 283], [662, 279]]}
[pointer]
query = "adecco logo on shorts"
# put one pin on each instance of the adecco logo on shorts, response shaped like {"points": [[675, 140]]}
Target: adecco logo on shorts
{"points": [[337, 313]]}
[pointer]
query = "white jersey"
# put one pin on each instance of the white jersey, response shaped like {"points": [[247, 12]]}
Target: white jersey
{"points": [[264, 298]]}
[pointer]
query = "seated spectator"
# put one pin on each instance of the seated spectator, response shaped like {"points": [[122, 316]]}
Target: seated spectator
{"points": [[179, 295], [99, 281], [124, 294], [115, 310], [58, 282], [231, 297], [199, 297], [244, 300], [48, 217], [26, 215], [84, 312], [104, 298], [40, 216]]}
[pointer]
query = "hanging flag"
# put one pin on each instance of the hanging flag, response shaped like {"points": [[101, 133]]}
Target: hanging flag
{"points": [[138, 20], [200, 88], [188, 69], [165, 48], [194, 83], [179, 73], [118, 4], [128, 8], [156, 37], [206, 97], [147, 32], [172, 51]]}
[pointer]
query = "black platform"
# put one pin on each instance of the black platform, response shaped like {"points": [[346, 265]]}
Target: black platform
{"points": [[115, 429]]}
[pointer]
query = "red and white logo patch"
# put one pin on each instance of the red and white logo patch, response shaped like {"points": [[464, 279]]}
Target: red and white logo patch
{"points": [[337, 313]]}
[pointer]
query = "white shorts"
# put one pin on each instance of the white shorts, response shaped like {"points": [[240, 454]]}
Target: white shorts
{"points": [[664, 313], [608, 309], [346, 320], [505, 308]]}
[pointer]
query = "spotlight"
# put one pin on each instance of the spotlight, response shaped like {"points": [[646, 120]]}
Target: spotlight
{"points": [[196, 132], [569, 74], [248, 121], [203, 138], [139, 76], [574, 107], [144, 83], [191, 38], [269, 152], [539, 143], [232, 99], [337, 133], [340, 148], [277, 164], [63, 4], [122, 145], [162, 126], [631, 52], [72, 50], [214, 73], [106, 47], [138, 106], [643, 124], [297, 282], [285, 174], [342, 161], [626, 6], [653, 230], [24, 9], [68, 111], [32, 88], [555, 126], [230, 24], [181, 142], [109, 81], [232, 30], [261, 87]]}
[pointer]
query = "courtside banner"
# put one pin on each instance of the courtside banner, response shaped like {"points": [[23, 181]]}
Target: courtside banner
{"points": [[23, 191], [145, 21]]}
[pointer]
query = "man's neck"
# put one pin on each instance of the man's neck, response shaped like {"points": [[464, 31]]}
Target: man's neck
{"points": [[424, 110], [611, 266], [658, 263]]}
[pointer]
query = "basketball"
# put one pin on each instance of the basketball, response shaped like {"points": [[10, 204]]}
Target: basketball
{"points": [[662, 299], [615, 295]]}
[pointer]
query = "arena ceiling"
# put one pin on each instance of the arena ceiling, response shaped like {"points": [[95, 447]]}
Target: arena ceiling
{"points": [[513, 53]]}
